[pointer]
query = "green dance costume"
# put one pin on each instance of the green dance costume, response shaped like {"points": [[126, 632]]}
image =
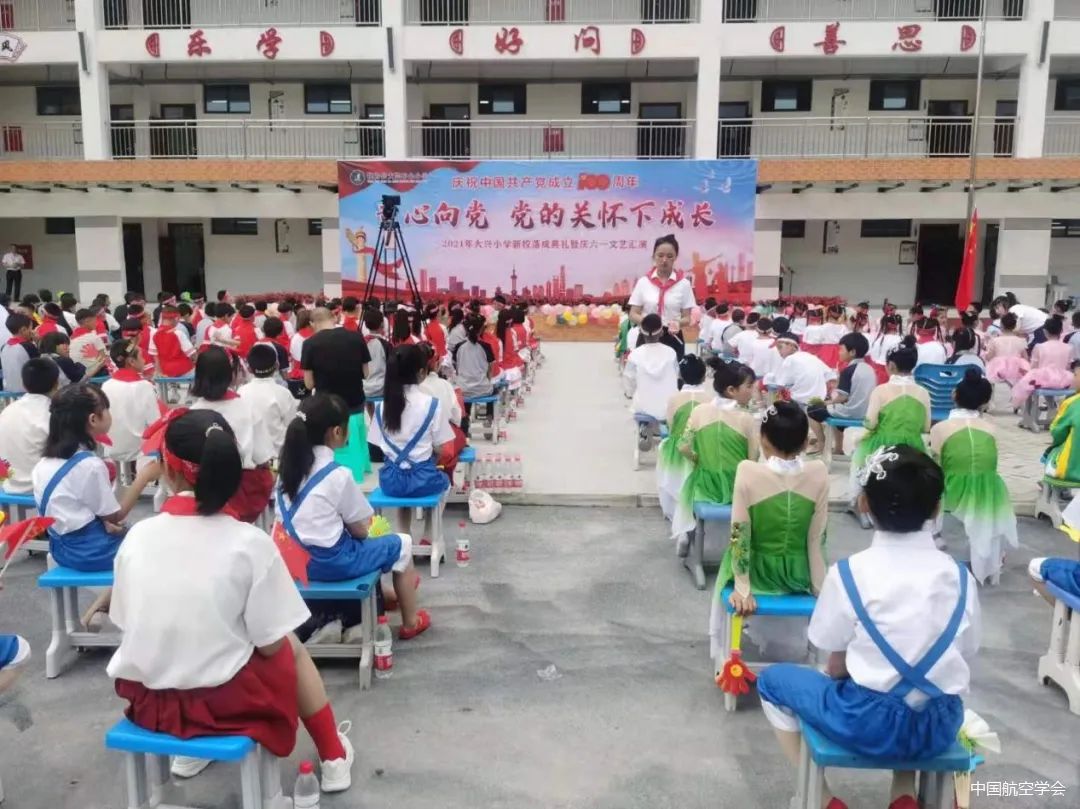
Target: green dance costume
{"points": [[672, 467], [898, 413], [1063, 460]]}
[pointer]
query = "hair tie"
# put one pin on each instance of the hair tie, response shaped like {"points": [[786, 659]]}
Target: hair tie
{"points": [[302, 416], [211, 428], [875, 464], [769, 413]]}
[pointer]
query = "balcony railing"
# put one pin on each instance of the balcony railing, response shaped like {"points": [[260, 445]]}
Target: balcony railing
{"points": [[247, 139], [55, 140], [1062, 138], [37, 15], [562, 140], [218, 13], [864, 136], [505, 12], [792, 10]]}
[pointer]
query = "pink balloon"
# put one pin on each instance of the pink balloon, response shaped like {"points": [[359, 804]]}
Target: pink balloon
{"points": [[546, 309]]}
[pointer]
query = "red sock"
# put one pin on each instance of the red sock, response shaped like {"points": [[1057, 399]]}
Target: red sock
{"points": [[322, 727]]}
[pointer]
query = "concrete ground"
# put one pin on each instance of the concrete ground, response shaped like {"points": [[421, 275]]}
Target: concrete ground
{"points": [[634, 720]]}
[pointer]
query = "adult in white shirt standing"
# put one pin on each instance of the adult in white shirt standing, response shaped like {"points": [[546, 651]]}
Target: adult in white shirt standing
{"points": [[13, 264], [665, 292]]}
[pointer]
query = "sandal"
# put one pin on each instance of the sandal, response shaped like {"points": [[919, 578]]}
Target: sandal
{"points": [[423, 622]]}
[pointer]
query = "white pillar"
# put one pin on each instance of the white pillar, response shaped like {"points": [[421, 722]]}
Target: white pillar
{"points": [[93, 84], [1023, 260], [141, 109], [1034, 86], [766, 283], [707, 103], [395, 88], [331, 257], [99, 256]]}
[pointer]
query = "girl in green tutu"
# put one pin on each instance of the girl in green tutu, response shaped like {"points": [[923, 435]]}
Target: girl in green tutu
{"points": [[672, 468], [965, 446]]}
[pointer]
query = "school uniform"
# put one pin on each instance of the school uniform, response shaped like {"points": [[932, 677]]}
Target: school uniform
{"points": [[194, 597], [70, 371], [450, 409], [134, 406], [86, 346], [220, 334], [244, 334], [24, 429], [666, 298], [857, 382], [472, 362], [77, 493], [296, 352], [14, 354], [931, 353], [172, 350], [907, 616], [326, 503], [409, 469], [805, 376], [740, 344], [651, 377], [274, 403], [49, 325], [435, 333], [456, 337], [202, 329], [762, 356], [379, 349]]}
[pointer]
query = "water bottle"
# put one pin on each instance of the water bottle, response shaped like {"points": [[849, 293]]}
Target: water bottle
{"points": [[462, 554], [500, 474], [519, 474], [384, 653], [306, 789], [482, 471]]}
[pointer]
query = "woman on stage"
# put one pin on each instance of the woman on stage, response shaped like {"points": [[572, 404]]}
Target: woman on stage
{"points": [[666, 292]]}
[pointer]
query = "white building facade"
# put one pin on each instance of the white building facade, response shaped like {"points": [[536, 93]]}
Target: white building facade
{"points": [[190, 144]]}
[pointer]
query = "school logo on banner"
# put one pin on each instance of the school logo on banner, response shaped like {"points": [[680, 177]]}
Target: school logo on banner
{"points": [[11, 47]]}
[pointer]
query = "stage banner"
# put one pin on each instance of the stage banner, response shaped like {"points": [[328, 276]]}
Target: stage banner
{"points": [[554, 232]]}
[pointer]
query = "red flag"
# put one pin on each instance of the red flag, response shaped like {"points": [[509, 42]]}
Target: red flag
{"points": [[965, 286], [16, 534], [296, 558]]}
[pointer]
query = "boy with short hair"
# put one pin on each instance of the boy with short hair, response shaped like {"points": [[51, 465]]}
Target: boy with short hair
{"points": [[651, 374], [24, 424], [17, 351], [267, 395], [87, 344]]}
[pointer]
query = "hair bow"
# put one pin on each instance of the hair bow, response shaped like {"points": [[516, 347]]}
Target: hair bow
{"points": [[875, 464]]}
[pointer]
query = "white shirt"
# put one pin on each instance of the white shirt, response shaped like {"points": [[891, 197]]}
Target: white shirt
{"points": [[134, 407], [78, 349], [276, 405], [715, 334], [651, 376], [932, 353], [5, 335], [740, 343], [679, 297], [416, 408], [83, 494], [705, 327], [248, 425], [202, 328], [336, 501], [762, 356], [220, 335], [13, 261], [909, 589], [804, 375], [181, 335], [880, 348], [24, 428], [444, 392], [194, 597], [825, 333], [1029, 318]]}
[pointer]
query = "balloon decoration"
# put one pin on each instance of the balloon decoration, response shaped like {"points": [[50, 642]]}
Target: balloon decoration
{"points": [[582, 319]]}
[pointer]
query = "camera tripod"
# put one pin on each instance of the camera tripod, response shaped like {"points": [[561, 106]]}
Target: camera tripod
{"points": [[392, 240]]}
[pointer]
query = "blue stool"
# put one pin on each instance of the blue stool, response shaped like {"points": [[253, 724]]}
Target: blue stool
{"points": [[1032, 418], [832, 425], [434, 503], [362, 589], [18, 507], [63, 584], [260, 778], [694, 557], [495, 400], [656, 427], [467, 460], [1053, 497], [1061, 663], [935, 787], [788, 605]]}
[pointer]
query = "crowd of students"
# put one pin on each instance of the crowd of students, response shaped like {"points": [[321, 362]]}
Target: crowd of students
{"points": [[280, 402]]}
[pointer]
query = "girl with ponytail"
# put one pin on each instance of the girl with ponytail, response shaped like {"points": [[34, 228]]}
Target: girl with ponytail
{"points": [[208, 610], [672, 468]]}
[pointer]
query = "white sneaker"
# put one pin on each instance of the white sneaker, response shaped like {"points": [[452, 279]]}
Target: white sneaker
{"points": [[327, 633], [337, 773], [188, 766]]}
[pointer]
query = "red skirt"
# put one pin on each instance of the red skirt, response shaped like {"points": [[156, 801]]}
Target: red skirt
{"points": [[258, 702], [251, 499]]}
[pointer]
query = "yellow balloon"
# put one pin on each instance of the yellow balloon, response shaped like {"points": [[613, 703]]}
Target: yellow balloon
{"points": [[583, 318], [570, 318]]}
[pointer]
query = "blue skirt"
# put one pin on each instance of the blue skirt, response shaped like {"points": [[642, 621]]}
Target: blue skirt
{"points": [[90, 549], [1064, 573], [9, 647], [860, 719], [420, 480], [351, 558]]}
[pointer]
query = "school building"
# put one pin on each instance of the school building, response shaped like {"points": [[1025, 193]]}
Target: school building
{"points": [[190, 144]]}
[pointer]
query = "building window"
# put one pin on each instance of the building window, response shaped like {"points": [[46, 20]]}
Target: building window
{"points": [[786, 96], [327, 99], [605, 98], [502, 99], [894, 94], [227, 98], [314, 227], [1065, 228], [886, 229], [793, 229], [59, 101], [234, 227], [1067, 98], [59, 226]]}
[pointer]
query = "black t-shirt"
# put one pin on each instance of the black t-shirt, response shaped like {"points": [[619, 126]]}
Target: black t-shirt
{"points": [[336, 358], [844, 383]]}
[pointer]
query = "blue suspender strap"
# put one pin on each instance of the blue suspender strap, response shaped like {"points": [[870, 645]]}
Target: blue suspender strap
{"points": [[403, 454], [911, 677], [390, 444], [287, 513], [61, 473]]}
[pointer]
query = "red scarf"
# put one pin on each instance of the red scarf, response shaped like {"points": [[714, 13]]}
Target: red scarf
{"points": [[180, 506], [306, 332], [664, 286], [80, 332], [127, 375], [14, 341], [351, 323]]}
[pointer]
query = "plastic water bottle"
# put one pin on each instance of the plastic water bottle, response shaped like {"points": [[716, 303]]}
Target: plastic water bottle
{"points": [[462, 549], [500, 473], [306, 790], [483, 465], [384, 652], [518, 473]]}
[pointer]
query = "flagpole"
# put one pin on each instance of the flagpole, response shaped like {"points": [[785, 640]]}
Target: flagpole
{"points": [[973, 159]]}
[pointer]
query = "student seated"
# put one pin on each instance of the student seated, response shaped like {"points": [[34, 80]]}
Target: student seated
{"points": [[171, 346], [883, 607], [672, 468], [323, 509], [449, 404], [272, 334], [133, 401], [779, 511], [87, 345], [965, 345], [17, 351], [24, 424], [208, 610], [379, 349], [1063, 573], [1006, 354], [651, 375], [1051, 361], [267, 395], [805, 377], [14, 654], [1061, 461], [887, 338], [71, 483], [966, 447], [850, 399], [930, 339], [719, 436]]}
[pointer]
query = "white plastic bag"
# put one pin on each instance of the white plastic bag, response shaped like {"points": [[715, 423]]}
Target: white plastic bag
{"points": [[483, 508]]}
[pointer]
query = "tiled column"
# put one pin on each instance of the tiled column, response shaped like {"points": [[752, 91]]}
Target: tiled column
{"points": [[99, 256], [766, 259], [93, 84], [331, 257], [1023, 259]]}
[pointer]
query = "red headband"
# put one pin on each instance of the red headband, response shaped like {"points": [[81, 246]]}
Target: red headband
{"points": [[189, 470]]}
